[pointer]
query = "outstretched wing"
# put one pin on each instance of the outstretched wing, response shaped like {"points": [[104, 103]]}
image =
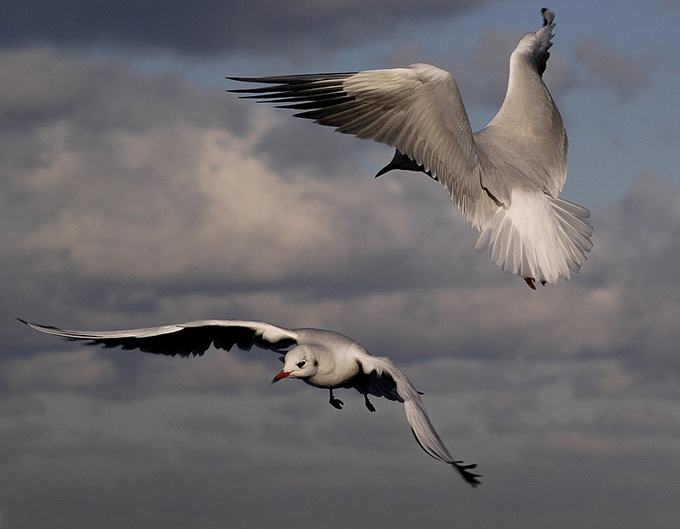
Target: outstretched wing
{"points": [[186, 339], [390, 382], [528, 131], [417, 109]]}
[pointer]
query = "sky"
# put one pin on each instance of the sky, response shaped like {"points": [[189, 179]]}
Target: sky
{"points": [[136, 191]]}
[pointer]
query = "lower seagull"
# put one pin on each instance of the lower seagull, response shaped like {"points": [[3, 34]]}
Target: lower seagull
{"points": [[321, 358]]}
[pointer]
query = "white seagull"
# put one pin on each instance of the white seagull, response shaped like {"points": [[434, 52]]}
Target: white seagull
{"points": [[321, 358], [505, 178]]}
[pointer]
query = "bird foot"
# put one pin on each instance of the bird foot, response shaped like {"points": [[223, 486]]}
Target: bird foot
{"points": [[336, 403], [369, 404], [531, 282]]}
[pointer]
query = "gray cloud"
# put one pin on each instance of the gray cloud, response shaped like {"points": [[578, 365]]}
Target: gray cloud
{"points": [[41, 86], [234, 453], [145, 219], [627, 76], [209, 27], [168, 210]]}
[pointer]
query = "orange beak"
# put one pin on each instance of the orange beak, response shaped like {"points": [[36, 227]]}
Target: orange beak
{"points": [[280, 375]]}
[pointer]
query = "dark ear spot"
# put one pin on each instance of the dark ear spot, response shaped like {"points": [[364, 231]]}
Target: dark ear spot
{"points": [[316, 363]]}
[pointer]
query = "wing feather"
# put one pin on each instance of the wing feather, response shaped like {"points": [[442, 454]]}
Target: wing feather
{"points": [[417, 109], [390, 382], [186, 339]]}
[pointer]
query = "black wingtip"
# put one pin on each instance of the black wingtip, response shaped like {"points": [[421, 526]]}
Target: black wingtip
{"points": [[33, 325], [469, 477], [36, 326], [548, 16]]}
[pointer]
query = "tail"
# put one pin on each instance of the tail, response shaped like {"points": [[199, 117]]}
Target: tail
{"points": [[538, 238]]}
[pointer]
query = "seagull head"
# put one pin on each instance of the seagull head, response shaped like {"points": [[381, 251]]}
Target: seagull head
{"points": [[300, 362]]}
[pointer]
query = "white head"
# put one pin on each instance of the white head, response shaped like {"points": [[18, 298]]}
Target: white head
{"points": [[300, 362]]}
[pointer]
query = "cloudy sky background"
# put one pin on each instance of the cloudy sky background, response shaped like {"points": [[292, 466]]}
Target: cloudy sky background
{"points": [[135, 191]]}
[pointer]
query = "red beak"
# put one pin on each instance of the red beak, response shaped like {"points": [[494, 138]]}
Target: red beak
{"points": [[280, 375]]}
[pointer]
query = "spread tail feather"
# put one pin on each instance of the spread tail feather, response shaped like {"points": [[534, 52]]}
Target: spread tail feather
{"points": [[538, 237]]}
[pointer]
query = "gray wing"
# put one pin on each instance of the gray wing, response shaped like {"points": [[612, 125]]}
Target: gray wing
{"points": [[417, 109], [388, 381], [539, 152], [186, 339]]}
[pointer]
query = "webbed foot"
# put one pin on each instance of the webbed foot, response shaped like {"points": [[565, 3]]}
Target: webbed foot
{"points": [[531, 282], [368, 403], [335, 402]]}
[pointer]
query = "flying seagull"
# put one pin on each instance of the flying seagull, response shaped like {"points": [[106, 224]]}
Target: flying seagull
{"points": [[321, 358], [505, 178]]}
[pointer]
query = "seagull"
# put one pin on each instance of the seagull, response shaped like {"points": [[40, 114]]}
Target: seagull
{"points": [[505, 179], [321, 358]]}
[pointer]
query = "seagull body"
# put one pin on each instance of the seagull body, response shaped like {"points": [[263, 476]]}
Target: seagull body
{"points": [[321, 358], [505, 178]]}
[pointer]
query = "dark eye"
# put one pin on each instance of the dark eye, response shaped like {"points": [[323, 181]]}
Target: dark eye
{"points": [[301, 364]]}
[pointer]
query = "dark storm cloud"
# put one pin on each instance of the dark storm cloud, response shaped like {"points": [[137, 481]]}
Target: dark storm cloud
{"points": [[209, 27]]}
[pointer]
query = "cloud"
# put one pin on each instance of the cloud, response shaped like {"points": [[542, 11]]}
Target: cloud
{"points": [[168, 210], [78, 370], [141, 202], [42, 85], [577, 442], [142, 217], [208, 28], [627, 76]]}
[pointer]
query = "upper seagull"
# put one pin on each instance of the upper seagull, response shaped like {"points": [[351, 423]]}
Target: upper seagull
{"points": [[505, 179], [324, 359]]}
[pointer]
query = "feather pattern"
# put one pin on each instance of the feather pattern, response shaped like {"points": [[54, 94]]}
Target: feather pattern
{"points": [[522, 152]]}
